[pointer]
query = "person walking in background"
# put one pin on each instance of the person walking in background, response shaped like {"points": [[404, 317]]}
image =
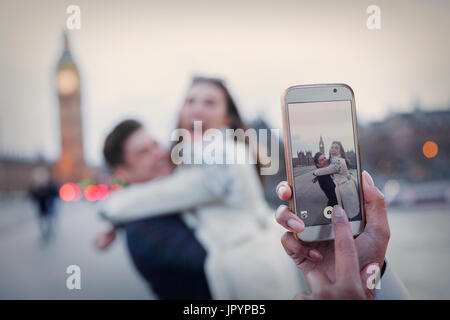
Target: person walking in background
{"points": [[43, 193]]}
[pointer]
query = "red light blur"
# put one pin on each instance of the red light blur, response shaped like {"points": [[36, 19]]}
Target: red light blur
{"points": [[91, 193], [102, 192], [69, 192]]}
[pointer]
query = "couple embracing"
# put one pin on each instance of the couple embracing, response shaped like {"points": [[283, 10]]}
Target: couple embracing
{"points": [[336, 181], [196, 231]]}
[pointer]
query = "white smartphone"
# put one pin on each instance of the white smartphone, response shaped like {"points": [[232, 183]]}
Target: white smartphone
{"points": [[322, 157]]}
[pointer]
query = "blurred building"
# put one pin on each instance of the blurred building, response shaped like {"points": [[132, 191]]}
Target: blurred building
{"points": [[16, 171], [394, 147], [270, 182], [71, 165], [304, 158]]}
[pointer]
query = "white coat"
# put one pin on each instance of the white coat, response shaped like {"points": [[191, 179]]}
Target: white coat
{"points": [[224, 204]]}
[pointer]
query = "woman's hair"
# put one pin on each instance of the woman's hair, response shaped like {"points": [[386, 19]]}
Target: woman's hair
{"points": [[342, 153], [232, 111]]}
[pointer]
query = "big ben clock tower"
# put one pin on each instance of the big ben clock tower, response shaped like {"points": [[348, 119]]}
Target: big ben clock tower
{"points": [[71, 165], [321, 146]]}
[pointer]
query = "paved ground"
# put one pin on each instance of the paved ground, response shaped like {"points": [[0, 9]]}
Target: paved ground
{"points": [[33, 269], [419, 252], [309, 195]]}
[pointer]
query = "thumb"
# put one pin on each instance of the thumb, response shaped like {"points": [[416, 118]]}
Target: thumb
{"points": [[372, 195], [104, 240], [284, 191], [370, 277], [374, 203]]}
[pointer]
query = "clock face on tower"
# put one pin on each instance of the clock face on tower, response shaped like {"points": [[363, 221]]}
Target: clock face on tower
{"points": [[67, 82]]}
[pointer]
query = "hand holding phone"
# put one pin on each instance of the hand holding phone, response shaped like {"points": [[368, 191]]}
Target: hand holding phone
{"points": [[351, 282], [370, 245]]}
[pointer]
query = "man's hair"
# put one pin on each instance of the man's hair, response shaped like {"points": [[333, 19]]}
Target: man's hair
{"points": [[113, 149], [316, 158]]}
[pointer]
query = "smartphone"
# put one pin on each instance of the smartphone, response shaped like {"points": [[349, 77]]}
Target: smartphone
{"points": [[322, 157]]}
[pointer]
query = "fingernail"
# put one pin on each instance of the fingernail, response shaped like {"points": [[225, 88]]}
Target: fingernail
{"points": [[314, 254], [369, 179], [338, 213], [282, 190], [295, 225]]}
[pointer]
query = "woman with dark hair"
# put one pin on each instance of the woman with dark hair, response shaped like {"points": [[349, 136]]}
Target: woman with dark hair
{"points": [[346, 186], [208, 100], [234, 120], [337, 148], [223, 203]]}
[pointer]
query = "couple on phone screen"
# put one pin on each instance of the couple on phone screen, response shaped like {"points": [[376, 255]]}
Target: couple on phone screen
{"points": [[336, 181]]}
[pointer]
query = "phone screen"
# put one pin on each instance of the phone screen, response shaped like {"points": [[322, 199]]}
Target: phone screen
{"points": [[324, 160]]}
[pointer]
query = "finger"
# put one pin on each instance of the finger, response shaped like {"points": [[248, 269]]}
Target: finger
{"points": [[370, 275], [98, 242], [317, 282], [289, 220], [284, 191], [374, 205], [103, 241], [346, 257], [298, 251], [303, 296]]}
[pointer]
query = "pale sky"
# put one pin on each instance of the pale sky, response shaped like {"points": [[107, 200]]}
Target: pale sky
{"points": [[136, 58], [331, 120]]}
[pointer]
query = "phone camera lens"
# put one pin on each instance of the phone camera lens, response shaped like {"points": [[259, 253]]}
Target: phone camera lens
{"points": [[335, 90]]}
